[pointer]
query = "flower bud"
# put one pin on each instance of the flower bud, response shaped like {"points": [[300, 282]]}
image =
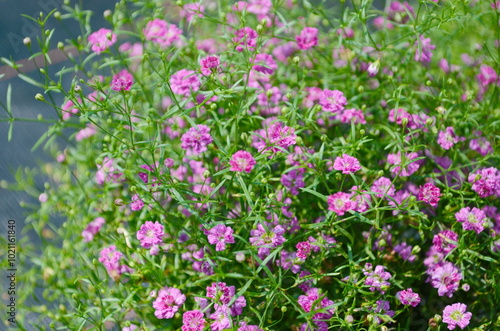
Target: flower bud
{"points": [[240, 257], [264, 181], [296, 60], [57, 15], [107, 14], [259, 28], [206, 174], [373, 68], [78, 89], [441, 110], [39, 97], [283, 309], [27, 41]]}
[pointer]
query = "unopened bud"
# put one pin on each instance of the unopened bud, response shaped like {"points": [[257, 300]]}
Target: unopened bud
{"points": [[428, 83], [57, 15], [373, 68], [119, 202], [283, 309], [296, 60], [78, 89], [206, 174], [107, 14], [27, 41], [264, 181], [240, 257], [404, 121], [441, 110], [39, 97], [259, 28], [416, 249]]}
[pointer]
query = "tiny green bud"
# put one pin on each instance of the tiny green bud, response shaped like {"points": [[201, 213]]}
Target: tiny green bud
{"points": [[107, 14], [39, 117], [259, 28], [404, 122], [429, 121], [263, 22], [133, 188], [252, 194], [296, 60], [324, 138], [264, 181], [390, 78], [212, 185], [382, 243], [288, 95], [206, 174], [428, 83], [47, 33], [39, 97], [416, 249], [361, 88], [437, 318], [57, 15], [284, 110], [60, 45], [78, 89], [369, 318], [338, 176], [441, 110], [362, 132], [272, 196], [380, 173], [449, 81], [284, 309], [213, 106]]}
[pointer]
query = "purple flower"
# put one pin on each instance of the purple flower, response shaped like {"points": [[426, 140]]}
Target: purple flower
{"points": [[382, 187], [208, 64], [303, 249], [454, 315], [101, 40], [332, 101], [308, 38], [136, 204], [281, 136], [196, 139], [430, 194], [92, 229], [245, 38], [408, 297], [245, 327], [446, 278], [403, 167], [293, 180], [219, 292], [400, 12], [266, 239], [110, 257], [377, 279], [471, 219], [242, 161], [481, 145], [405, 251], [150, 234], [486, 182], [444, 241], [167, 302], [221, 318], [347, 164], [259, 7], [264, 63], [193, 321], [487, 75], [220, 235], [447, 138], [184, 82], [341, 202], [424, 48]]}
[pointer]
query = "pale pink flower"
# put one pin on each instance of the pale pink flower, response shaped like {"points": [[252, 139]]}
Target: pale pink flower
{"points": [[168, 301], [220, 235], [408, 297], [455, 315], [101, 40], [341, 202], [430, 194], [308, 38], [332, 101], [347, 164], [184, 82], [122, 81], [150, 234], [242, 161]]}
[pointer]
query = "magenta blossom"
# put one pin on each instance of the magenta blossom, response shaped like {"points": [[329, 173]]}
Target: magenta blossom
{"points": [[332, 101], [455, 315], [242, 161], [245, 38], [122, 81], [192, 320], [184, 82], [162, 33], [444, 241], [347, 164], [308, 38], [377, 279], [167, 302], [150, 234], [430, 194], [220, 235], [341, 202], [408, 297], [101, 40], [471, 219], [195, 141], [93, 228]]}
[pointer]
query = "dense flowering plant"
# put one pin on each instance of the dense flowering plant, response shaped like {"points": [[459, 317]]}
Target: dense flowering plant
{"points": [[271, 165]]}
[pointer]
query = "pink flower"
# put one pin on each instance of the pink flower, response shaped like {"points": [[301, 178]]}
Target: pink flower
{"points": [[137, 203], [447, 138], [444, 241], [110, 257], [405, 167], [209, 64], [259, 7], [486, 182], [487, 75], [162, 33], [219, 292], [377, 279], [264, 63], [167, 302], [481, 145], [101, 40], [92, 229], [308, 38], [424, 48], [281, 136], [245, 327], [242, 161], [341, 202], [383, 186], [446, 278], [454, 315], [221, 317], [220, 235], [184, 82], [430, 194], [86, 132], [347, 164], [408, 297], [150, 234], [332, 101], [303, 249], [122, 81], [245, 38], [472, 219], [351, 115], [266, 238], [190, 10], [193, 321], [196, 139]]}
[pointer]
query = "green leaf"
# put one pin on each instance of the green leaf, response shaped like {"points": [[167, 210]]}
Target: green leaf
{"points": [[31, 81], [319, 195]]}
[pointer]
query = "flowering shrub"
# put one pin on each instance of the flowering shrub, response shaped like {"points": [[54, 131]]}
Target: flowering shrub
{"points": [[273, 165]]}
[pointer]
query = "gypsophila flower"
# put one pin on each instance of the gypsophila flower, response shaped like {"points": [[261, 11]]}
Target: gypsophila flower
{"points": [[184, 82], [471, 219], [242, 161], [193, 321], [347, 164], [266, 239], [219, 292], [377, 279], [408, 297], [162, 33], [444, 241], [340, 203], [150, 234], [246, 327], [446, 278], [424, 48], [303, 249], [486, 182], [93, 228], [196, 139], [101, 40], [245, 38], [293, 180], [221, 318], [220, 235], [409, 168], [167, 302], [455, 315], [382, 187], [447, 138], [136, 203], [308, 38], [430, 194], [208, 64], [332, 101], [122, 81]]}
